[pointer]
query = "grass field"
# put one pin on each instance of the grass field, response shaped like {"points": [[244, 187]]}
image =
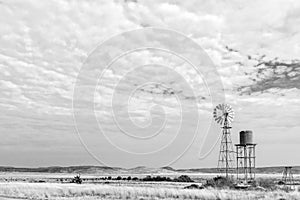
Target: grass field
{"points": [[53, 191], [42, 186]]}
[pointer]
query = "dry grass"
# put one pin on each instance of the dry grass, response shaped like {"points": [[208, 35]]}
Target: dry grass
{"points": [[92, 192]]}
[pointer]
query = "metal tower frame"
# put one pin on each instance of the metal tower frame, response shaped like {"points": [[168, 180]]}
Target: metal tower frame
{"points": [[287, 176], [226, 154], [245, 162]]}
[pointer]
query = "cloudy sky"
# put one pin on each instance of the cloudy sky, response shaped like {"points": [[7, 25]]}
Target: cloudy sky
{"points": [[151, 106]]}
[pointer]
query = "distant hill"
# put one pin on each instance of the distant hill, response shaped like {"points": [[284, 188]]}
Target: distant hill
{"points": [[277, 169], [136, 170], [259, 170], [70, 169]]}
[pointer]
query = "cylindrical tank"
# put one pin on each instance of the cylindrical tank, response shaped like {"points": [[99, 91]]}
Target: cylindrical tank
{"points": [[246, 137]]}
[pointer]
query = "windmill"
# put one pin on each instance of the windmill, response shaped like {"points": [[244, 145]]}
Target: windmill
{"points": [[224, 114], [287, 176]]}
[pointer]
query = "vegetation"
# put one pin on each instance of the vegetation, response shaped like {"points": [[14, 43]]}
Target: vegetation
{"points": [[220, 182], [156, 178], [77, 179], [56, 191], [267, 183], [182, 178], [38, 186], [194, 186]]}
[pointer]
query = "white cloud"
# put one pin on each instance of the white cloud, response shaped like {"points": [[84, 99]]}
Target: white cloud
{"points": [[43, 45]]}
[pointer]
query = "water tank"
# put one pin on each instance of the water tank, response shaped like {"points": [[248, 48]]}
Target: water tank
{"points": [[246, 137]]}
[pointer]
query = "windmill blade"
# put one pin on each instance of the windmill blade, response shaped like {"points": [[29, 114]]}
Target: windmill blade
{"points": [[220, 120]]}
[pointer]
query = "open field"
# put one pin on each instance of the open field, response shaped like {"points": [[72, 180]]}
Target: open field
{"points": [[42, 186], [49, 191]]}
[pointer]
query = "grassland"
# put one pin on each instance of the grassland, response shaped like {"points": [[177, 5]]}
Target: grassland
{"points": [[49, 186], [100, 191]]}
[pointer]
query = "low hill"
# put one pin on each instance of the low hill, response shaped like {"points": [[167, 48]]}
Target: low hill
{"points": [[136, 170]]}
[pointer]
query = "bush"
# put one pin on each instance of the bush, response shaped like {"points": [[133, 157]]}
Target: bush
{"points": [[220, 182], [128, 178], [119, 178], [135, 178], [159, 178], [281, 183], [147, 178], [77, 179], [193, 186], [183, 178]]}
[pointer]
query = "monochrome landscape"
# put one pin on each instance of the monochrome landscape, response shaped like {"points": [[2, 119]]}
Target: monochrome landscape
{"points": [[162, 99]]}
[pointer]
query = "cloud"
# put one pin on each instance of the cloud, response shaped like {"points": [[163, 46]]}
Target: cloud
{"points": [[43, 46], [274, 74]]}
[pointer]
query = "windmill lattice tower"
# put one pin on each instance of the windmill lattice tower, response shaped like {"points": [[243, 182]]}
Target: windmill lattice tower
{"points": [[223, 114], [287, 176]]}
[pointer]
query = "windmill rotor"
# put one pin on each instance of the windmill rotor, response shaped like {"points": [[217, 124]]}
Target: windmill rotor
{"points": [[223, 112]]}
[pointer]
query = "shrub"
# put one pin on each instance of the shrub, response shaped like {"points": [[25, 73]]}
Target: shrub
{"points": [[147, 178], [159, 178], [183, 178], [77, 179], [119, 178], [193, 186], [281, 183], [220, 182]]}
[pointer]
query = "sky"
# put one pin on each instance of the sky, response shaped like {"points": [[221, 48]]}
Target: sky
{"points": [[71, 93]]}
